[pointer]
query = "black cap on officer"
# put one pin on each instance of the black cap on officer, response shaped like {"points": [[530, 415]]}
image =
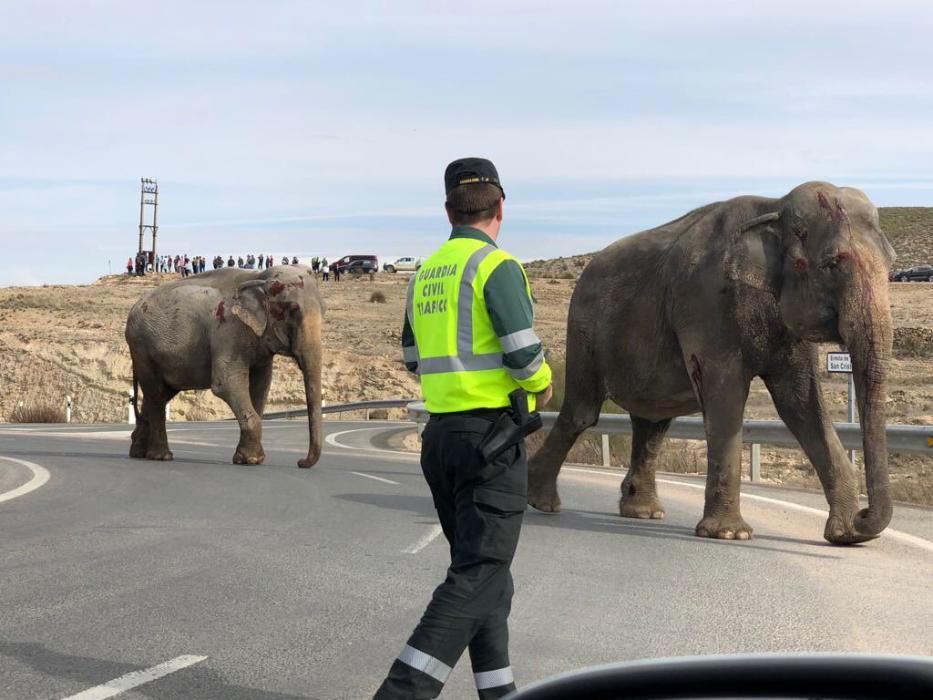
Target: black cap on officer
{"points": [[470, 171]]}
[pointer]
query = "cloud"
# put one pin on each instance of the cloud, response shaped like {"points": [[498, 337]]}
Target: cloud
{"points": [[287, 120]]}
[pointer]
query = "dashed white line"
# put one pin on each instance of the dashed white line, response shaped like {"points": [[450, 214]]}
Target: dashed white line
{"points": [[904, 537], [136, 678], [376, 478], [424, 541], [39, 476]]}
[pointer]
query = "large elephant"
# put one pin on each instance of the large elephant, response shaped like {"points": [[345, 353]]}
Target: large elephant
{"points": [[680, 318], [220, 330]]}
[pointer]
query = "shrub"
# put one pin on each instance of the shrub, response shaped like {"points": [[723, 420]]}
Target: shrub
{"points": [[38, 412], [553, 281], [377, 298], [913, 342], [567, 275]]}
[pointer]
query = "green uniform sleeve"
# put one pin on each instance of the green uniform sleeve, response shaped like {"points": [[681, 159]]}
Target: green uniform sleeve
{"points": [[512, 315], [409, 348]]}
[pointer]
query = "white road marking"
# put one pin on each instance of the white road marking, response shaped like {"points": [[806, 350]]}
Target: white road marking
{"points": [[332, 440], [39, 476], [376, 478], [136, 678], [424, 541], [99, 435], [904, 537]]}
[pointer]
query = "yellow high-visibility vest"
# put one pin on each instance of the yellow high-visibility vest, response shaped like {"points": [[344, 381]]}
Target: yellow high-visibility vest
{"points": [[459, 356]]}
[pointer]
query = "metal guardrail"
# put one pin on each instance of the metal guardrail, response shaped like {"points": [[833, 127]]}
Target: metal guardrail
{"points": [[342, 407], [910, 439]]}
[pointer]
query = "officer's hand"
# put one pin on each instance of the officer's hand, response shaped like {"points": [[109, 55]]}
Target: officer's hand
{"points": [[543, 397]]}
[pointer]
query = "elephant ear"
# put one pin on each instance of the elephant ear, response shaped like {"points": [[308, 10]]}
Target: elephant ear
{"points": [[753, 254], [249, 305]]}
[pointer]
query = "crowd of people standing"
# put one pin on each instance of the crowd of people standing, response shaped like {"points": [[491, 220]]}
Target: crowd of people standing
{"points": [[186, 266]]}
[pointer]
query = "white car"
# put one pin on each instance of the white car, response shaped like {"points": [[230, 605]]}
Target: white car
{"points": [[403, 265]]}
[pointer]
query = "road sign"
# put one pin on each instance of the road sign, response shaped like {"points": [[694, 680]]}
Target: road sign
{"points": [[839, 362]]}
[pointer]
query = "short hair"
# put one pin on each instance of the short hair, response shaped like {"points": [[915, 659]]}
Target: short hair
{"points": [[473, 203]]}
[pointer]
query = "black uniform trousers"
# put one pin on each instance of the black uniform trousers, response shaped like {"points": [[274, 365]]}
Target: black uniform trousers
{"points": [[480, 507]]}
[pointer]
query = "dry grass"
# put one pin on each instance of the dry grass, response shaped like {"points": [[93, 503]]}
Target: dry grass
{"points": [[37, 411], [910, 230], [913, 343]]}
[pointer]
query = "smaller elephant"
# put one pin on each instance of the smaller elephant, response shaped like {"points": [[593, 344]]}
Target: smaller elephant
{"points": [[221, 330]]}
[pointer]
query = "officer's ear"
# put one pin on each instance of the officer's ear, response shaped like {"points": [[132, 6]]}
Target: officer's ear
{"points": [[499, 209]]}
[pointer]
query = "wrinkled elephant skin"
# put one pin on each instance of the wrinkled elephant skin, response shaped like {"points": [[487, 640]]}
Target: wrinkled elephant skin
{"points": [[681, 318], [220, 330]]}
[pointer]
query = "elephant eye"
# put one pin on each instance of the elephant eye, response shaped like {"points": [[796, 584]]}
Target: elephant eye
{"points": [[831, 263]]}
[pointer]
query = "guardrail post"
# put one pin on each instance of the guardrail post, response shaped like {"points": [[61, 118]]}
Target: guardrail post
{"points": [[605, 450], [130, 415], [67, 409], [168, 412], [756, 462]]}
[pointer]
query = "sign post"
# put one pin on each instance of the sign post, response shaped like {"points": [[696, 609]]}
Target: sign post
{"points": [[841, 363]]}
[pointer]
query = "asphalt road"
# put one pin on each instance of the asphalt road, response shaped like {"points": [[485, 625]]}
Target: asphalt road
{"points": [[305, 584]]}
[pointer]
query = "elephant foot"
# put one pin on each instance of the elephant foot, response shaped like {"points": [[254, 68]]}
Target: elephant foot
{"points": [[244, 456], [642, 506], [726, 527], [840, 530], [139, 443], [137, 451], [543, 496], [163, 455]]}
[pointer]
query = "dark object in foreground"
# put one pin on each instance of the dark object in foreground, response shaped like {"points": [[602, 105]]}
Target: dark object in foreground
{"points": [[788, 676]]}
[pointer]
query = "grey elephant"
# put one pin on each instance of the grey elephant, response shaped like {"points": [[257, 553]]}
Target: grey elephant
{"points": [[220, 330], [680, 318]]}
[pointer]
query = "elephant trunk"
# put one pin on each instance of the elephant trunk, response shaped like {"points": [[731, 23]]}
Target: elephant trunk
{"points": [[308, 354], [866, 327]]}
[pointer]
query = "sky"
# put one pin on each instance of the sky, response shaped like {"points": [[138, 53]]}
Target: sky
{"points": [[320, 128]]}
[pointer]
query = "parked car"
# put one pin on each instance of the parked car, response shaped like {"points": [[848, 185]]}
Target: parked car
{"points": [[357, 264], [920, 273], [403, 265]]}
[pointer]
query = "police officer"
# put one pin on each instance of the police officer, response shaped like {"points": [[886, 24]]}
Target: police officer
{"points": [[468, 335]]}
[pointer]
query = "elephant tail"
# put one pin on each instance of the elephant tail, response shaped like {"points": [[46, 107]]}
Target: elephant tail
{"points": [[135, 396]]}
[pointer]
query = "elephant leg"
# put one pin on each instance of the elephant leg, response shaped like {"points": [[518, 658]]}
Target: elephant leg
{"points": [[721, 387], [639, 490], [232, 384], [139, 440], [260, 379], [155, 398], [584, 397], [799, 402]]}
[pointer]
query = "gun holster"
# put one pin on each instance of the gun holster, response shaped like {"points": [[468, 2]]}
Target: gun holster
{"points": [[510, 428]]}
